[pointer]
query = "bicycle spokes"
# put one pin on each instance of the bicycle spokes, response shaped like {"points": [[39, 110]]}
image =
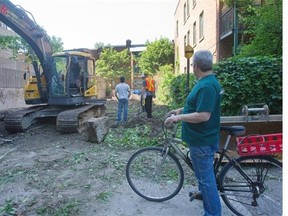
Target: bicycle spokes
{"points": [[254, 187]]}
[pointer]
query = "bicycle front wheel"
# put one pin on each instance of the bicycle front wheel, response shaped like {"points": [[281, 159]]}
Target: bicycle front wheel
{"points": [[154, 174], [253, 186]]}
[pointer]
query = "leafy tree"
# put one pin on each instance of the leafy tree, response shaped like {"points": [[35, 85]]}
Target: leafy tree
{"points": [[261, 26], [165, 77], [98, 45], [265, 31], [16, 44], [5, 41], [113, 64], [158, 53], [57, 44], [19, 46]]}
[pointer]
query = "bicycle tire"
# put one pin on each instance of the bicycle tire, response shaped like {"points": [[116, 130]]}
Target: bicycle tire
{"points": [[237, 193], [147, 182]]}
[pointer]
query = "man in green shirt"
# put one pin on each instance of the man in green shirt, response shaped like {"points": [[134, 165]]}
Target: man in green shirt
{"points": [[200, 119]]}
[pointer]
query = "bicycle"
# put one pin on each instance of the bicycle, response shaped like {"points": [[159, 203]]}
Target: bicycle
{"points": [[248, 185]]}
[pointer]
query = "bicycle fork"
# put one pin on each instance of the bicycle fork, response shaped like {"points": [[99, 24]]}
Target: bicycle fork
{"points": [[164, 154]]}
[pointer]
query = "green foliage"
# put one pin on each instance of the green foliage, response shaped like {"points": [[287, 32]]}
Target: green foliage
{"points": [[246, 81], [104, 196], [113, 64], [98, 45], [158, 53], [5, 41], [57, 44], [251, 80], [132, 138], [165, 77], [66, 209], [261, 27], [264, 29], [241, 5], [179, 89], [8, 208], [19, 46]]}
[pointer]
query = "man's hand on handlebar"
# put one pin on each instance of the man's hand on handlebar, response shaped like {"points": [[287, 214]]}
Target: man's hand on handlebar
{"points": [[170, 120], [171, 117], [173, 112]]}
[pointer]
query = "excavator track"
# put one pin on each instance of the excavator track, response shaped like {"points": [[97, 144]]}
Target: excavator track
{"points": [[71, 121], [19, 120]]}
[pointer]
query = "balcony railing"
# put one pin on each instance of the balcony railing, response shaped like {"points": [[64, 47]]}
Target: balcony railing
{"points": [[226, 23]]}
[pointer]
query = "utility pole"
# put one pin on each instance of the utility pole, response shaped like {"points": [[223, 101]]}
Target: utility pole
{"points": [[128, 45]]}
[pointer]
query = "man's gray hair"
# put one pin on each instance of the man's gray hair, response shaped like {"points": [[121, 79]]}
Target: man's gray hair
{"points": [[203, 59]]}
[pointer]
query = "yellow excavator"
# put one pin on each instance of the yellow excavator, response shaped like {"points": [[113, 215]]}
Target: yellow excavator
{"points": [[64, 85]]}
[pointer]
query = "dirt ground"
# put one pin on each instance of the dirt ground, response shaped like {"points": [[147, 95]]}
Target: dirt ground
{"points": [[43, 172]]}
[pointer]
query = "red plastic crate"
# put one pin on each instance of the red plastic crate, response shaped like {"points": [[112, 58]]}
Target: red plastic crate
{"points": [[259, 144]]}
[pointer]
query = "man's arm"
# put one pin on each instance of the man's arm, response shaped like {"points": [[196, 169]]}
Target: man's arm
{"points": [[174, 112], [116, 93], [129, 92], [144, 85], [195, 117]]}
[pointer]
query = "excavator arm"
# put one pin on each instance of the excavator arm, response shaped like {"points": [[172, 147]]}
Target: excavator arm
{"points": [[65, 92], [16, 18]]}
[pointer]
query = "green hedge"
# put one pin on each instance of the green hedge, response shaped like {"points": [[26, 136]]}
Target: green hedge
{"points": [[178, 89], [250, 81], [246, 81]]}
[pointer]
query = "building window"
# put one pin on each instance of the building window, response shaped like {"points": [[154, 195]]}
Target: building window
{"points": [[188, 9], [201, 26], [194, 3], [188, 38], [185, 41], [194, 33], [177, 64], [177, 28], [184, 12]]}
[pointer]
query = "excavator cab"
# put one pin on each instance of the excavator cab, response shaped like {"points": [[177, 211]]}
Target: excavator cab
{"points": [[73, 79]]}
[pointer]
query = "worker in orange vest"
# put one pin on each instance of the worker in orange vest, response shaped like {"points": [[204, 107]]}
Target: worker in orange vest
{"points": [[149, 89]]}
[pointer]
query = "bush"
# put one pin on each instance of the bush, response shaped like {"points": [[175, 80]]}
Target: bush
{"points": [[165, 77], [249, 81], [179, 88], [246, 81]]}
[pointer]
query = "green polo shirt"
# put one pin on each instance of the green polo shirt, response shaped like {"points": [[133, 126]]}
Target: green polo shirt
{"points": [[204, 97]]}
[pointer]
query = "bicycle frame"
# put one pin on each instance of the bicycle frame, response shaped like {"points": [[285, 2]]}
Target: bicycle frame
{"points": [[240, 179], [217, 161], [178, 151], [172, 142]]}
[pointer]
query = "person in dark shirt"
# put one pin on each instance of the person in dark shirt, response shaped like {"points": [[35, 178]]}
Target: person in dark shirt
{"points": [[200, 119]]}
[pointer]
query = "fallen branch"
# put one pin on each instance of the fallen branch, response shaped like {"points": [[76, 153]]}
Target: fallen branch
{"points": [[1, 157]]}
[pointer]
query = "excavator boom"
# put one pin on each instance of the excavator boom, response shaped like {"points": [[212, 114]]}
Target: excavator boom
{"points": [[16, 18]]}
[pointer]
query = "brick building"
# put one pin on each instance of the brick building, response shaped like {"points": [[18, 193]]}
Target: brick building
{"points": [[207, 25]]}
